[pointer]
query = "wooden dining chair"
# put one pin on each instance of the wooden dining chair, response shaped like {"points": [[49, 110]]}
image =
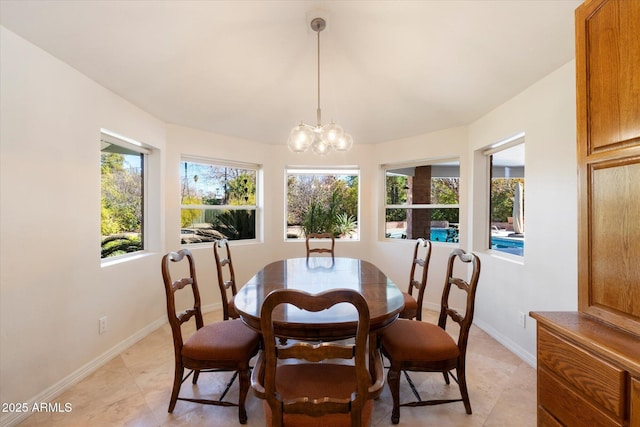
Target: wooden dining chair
{"points": [[217, 347], [317, 389], [226, 278], [425, 347], [420, 265], [311, 249]]}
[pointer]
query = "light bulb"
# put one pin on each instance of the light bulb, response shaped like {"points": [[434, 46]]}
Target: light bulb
{"points": [[331, 133], [300, 138], [344, 143], [320, 147]]}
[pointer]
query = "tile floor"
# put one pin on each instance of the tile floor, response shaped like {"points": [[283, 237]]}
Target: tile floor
{"points": [[133, 389]]}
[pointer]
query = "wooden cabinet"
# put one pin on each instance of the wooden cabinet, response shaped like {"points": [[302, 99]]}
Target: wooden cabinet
{"points": [[589, 361], [608, 131], [588, 372]]}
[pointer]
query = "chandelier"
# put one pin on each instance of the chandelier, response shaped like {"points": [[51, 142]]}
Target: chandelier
{"points": [[321, 139]]}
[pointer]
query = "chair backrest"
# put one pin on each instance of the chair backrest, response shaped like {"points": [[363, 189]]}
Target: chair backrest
{"points": [[322, 249], [226, 275], [357, 350], [419, 283], [171, 287], [467, 285]]}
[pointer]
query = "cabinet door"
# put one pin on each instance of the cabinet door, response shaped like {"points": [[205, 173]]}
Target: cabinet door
{"points": [[608, 107]]}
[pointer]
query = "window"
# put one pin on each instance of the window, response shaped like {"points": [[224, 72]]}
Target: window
{"points": [[507, 196], [218, 200], [322, 201], [122, 166], [421, 200]]}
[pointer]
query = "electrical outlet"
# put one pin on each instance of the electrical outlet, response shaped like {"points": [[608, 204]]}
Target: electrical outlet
{"points": [[522, 319], [102, 325]]}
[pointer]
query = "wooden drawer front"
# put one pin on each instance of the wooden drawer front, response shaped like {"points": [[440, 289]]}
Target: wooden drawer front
{"points": [[595, 379], [567, 406], [545, 419]]}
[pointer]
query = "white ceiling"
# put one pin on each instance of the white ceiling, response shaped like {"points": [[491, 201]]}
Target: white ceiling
{"points": [[389, 69]]}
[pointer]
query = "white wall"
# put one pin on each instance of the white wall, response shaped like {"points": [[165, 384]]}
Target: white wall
{"points": [[53, 287], [546, 278]]}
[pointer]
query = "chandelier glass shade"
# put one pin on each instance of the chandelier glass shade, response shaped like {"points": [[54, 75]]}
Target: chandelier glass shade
{"points": [[320, 139]]}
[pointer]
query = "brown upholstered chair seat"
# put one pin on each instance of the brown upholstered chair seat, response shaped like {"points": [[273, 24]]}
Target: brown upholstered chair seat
{"points": [[218, 347], [330, 385], [328, 379], [413, 341], [221, 341], [413, 345]]}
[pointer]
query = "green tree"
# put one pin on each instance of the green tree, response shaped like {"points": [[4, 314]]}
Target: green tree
{"points": [[305, 190], [445, 191], [241, 190], [189, 216], [396, 194], [349, 196], [322, 216], [121, 201], [209, 185], [502, 192], [120, 204], [319, 203]]}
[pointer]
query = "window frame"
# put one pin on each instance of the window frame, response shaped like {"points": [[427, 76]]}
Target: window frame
{"points": [[145, 151], [385, 168], [501, 146], [222, 163], [322, 170]]}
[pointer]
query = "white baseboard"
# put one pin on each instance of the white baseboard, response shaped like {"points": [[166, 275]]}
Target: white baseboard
{"points": [[516, 349], [66, 383], [527, 357], [63, 385]]}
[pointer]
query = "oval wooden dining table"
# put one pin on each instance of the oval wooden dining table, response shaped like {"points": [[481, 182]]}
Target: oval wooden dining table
{"points": [[315, 275]]}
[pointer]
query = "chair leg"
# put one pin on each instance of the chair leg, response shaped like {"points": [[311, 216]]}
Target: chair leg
{"points": [[177, 382], [393, 377], [462, 383], [356, 418], [196, 375], [446, 377], [244, 384]]}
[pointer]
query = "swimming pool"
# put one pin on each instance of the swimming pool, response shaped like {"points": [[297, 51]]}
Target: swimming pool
{"points": [[437, 234], [441, 234], [505, 244], [508, 245]]}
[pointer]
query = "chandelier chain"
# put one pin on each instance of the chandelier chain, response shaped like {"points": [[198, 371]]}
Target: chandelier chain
{"points": [[321, 139], [319, 114]]}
